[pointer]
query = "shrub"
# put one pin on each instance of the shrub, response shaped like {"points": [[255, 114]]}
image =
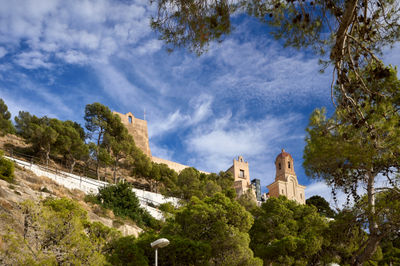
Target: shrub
{"points": [[6, 169], [122, 200], [124, 251], [91, 198]]}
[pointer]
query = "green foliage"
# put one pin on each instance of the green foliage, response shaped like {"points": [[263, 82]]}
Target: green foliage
{"points": [[286, 233], [98, 119], [119, 142], [181, 251], [125, 251], [219, 223], [5, 123], [56, 232], [6, 168], [190, 182], [356, 145], [322, 206], [248, 200], [391, 250], [122, 200], [92, 198], [70, 142]]}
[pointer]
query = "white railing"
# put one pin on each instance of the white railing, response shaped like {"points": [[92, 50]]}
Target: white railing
{"points": [[91, 186]]}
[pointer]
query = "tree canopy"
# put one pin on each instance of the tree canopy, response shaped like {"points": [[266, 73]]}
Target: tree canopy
{"points": [[359, 147], [322, 206], [212, 231], [286, 233], [5, 123], [56, 231]]}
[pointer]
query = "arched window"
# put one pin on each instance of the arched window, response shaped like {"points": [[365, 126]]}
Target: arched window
{"points": [[279, 166], [288, 164], [130, 119]]}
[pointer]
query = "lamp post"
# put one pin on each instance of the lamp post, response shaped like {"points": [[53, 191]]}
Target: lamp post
{"points": [[159, 243]]}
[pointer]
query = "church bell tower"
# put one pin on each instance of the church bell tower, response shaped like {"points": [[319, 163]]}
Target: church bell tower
{"points": [[286, 183]]}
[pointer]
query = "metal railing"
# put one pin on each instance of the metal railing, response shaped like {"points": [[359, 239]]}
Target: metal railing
{"points": [[30, 161]]}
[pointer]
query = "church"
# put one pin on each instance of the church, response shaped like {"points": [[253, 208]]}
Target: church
{"points": [[285, 183]]}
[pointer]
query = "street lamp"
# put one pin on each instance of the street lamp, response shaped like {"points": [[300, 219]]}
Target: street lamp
{"points": [[159, 243]]}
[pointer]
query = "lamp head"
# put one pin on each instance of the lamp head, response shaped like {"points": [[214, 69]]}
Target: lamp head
{"points": [[160, 243]]}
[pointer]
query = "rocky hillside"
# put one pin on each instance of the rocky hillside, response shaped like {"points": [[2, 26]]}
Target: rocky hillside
{"points": [[28, 186]]}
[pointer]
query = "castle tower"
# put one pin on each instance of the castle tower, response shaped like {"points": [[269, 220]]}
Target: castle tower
{"points": [[240, 171], [286, 180], [137, 128]]}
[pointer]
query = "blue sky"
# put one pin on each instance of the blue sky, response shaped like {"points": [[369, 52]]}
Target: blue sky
{"points": [[247, 96]]}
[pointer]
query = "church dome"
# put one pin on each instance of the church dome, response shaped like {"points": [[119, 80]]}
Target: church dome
{"points": [[282, 155]]}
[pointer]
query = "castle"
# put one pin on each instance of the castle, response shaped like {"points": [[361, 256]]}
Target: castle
{"points": [[285, 180]]}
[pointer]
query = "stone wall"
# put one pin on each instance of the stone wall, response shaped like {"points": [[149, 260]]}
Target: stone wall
{"points": [[240, 171], [137, 128], [177, 167]]}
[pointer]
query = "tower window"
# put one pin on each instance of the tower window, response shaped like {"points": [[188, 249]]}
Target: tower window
{"points": [[241, 173], [130, 119], [279, 166], [282, 192], [288, 164]]}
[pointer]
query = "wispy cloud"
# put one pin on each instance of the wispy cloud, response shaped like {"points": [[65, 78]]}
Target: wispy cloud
{"points": [[247, 96]]}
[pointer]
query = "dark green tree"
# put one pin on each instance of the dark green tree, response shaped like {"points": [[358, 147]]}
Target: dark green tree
{"points": [[124, 251], [6, 168], [98, 119], [5, 123], [189, 184], [70, 142], [286, 233], [37, 131], [23, 123], [123, 201], [119, 143], [219, 222], [391, 251], [356, 145], [181, 251], [322, 206]]}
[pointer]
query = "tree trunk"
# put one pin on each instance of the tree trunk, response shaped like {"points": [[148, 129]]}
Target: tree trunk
{"points": [[97, 155], [72, 166], [47, 157], [369, 250], [373, 238], [115, 171], [97, 169]]}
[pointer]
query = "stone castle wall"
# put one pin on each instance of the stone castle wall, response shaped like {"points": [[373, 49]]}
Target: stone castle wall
{"points": [[138, 130], [177, 167]]}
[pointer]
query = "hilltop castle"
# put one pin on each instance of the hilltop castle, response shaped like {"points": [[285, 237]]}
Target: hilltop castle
{"points": [[285, 180]]}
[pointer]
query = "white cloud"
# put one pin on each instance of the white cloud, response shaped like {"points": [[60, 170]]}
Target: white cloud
{"points": [[3, 51], [73, 57], [215, 144], [322, 189], [33, 59], [165, 124], [150, 47]]}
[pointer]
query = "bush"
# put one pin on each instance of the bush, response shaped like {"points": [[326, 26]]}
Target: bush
{"points": [[122, 200], [6, 169], [91, 198], [124, 251]]}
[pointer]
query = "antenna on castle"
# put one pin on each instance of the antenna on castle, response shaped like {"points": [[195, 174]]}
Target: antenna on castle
{"points": [[144, 113]]}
